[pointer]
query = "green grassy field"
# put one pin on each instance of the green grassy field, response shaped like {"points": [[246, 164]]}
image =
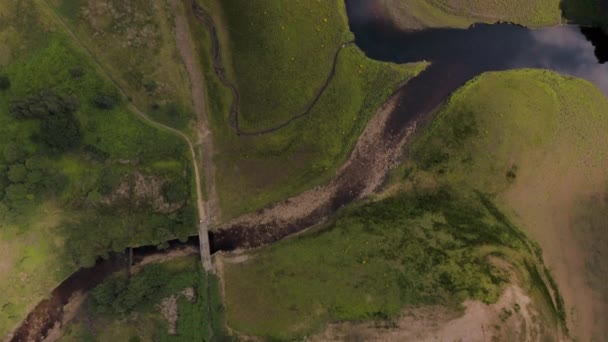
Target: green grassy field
{"points": [[129, 310], [535, 140], [279, 56], [418, 14], [64, 167]]}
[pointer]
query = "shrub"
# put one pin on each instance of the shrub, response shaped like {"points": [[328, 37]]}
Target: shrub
{"points": [[5, 82], [17, 173], [12, 152], [103, 101]]}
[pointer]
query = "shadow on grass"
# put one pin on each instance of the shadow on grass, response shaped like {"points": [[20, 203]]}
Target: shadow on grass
{"points": [[586, 12]]}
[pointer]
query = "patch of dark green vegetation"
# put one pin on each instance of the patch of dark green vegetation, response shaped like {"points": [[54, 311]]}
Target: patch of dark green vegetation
{"points": [[586, 12], [5, 82], [59, 129], [139, 299], [172, 113]]}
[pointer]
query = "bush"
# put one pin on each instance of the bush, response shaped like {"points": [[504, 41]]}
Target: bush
{"points": [[5, 82], [59, 128], [105, 102], [17, 173], [43, 105], [13, 152], [77, 72], [61, 132]]}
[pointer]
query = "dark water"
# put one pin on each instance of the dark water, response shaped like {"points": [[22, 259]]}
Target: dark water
{"points": [[458, 55]]}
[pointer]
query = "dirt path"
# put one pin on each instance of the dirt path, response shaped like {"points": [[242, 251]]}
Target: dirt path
{"points": [[185, 46], [216, 57]]}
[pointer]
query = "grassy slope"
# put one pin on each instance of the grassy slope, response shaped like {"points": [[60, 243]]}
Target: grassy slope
{"points": [[462, 13], [136, 42], [46, 238], [535, 140], [282, 54], [145, 321]]}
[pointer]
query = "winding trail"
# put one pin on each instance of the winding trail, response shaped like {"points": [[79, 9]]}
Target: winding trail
{"points": [[204, 17]]}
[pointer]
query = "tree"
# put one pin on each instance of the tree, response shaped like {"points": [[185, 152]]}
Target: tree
{"points": [[61, 131], [17, 173], [12, 152], [34, 177], [42, 105], [35, 163], [16, 193], [5, 82]]}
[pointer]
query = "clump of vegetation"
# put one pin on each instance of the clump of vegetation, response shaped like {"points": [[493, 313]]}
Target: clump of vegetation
{"points": [[137, 299], [59, 129], [104, 101], [5, 82]]}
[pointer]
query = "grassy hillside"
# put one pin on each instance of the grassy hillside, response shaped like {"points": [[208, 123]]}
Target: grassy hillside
{"points": [[536, 141], [135, 41], [279, 56], [134, 309], [416, 14], [80, 176]]}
